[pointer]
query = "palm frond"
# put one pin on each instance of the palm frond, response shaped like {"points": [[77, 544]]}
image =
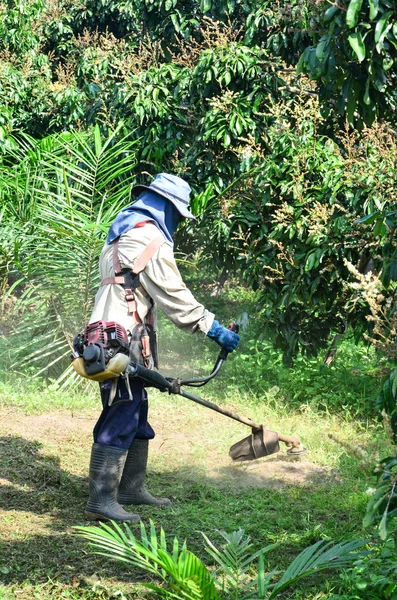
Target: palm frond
{"points": [[73, 185], [321, 555], [186, 577], [235, 561], [184, 574]]}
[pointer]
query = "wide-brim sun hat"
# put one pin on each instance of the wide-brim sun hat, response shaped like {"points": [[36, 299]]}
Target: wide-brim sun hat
{"points": [[172, 187]]}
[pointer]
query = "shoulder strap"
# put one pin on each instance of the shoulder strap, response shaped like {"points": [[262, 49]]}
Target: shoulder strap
{"points": [[138, 267], [116, 260], [147, 254], [140, 263]]}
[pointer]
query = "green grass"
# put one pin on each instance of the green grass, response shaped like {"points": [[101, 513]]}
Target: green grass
{"points": [[44, 451], [45, 497], [45, 492]]}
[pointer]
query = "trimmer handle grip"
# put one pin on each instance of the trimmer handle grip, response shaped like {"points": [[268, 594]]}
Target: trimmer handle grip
{"points": [[155, 379], [224, 353]]}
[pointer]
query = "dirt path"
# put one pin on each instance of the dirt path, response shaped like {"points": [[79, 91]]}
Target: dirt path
{"points": [[43, 491], [201, 445]]}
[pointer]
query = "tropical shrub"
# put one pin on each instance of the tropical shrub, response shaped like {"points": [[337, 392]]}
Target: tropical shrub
{"points": [[372, 577], [70, 188], [239, 574], [210, 92], [296, 213], [353, 59]]}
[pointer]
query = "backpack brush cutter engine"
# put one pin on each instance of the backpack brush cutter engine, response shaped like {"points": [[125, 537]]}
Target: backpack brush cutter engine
{"points": [[261, 442], [102, 351]]}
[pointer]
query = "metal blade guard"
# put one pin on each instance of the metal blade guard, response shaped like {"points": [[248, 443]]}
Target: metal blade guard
{"points": [[261, 442]]}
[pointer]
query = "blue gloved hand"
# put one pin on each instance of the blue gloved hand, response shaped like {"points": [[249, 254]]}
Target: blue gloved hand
{"points": [[224, 337]]}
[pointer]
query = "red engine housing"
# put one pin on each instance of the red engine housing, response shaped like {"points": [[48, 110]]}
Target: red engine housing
{"points": [[101, 332]]}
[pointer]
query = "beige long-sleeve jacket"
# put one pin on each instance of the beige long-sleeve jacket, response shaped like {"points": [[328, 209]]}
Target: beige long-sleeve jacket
{"points": [[160, 281]]}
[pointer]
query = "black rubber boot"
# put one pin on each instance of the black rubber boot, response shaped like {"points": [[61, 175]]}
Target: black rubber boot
{"points": [[106, 468], [132, 488]]}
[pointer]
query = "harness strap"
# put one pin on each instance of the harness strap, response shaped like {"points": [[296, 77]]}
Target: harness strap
{"points": [[140, 263], [116, 260], [131, 302], [147, 254], [139, 266], [118, 279]]}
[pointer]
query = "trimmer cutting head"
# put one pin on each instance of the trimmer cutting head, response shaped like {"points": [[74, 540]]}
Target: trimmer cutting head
{"points": [[297, 450], [263, 442]]}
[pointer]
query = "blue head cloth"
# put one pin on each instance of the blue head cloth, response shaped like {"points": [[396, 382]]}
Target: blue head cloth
{"points": [[149, 207]]}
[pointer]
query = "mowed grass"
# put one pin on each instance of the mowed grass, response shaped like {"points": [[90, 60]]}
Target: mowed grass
{"points": [[45, 440], [44, 490]]}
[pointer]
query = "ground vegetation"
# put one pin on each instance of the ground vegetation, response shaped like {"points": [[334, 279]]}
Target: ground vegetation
{"points": [[281, 115], [292, 503]]}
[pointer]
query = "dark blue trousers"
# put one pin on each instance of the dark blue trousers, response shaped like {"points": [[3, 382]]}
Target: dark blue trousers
{"points": [[125, 420]]}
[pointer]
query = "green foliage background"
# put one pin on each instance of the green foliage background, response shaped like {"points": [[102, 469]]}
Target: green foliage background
{"points": [[215, 91], [281, 116]]}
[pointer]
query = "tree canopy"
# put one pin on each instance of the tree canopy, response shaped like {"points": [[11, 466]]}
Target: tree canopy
{"points": [[280, 116]]}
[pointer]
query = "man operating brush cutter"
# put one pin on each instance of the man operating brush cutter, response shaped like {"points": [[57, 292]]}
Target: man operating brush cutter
{"points": [[138, 273]]}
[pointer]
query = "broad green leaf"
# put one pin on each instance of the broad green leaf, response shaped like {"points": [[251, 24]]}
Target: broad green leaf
{"points": [[231, 6], [205, 5], [380, 46], [374, 502], [352, 12], [383, 525], [389, 462], [380, 228], [393, 277], [369, 218], [227, 77], [320, 49], [367, 97], [226, 139], [381, 25], [330, 12], [175, 22], [393, 378], [313, 259], [373, 8], [356, 42]]}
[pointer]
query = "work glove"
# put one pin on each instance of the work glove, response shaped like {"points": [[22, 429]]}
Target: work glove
{"points": [[224, 337]]}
